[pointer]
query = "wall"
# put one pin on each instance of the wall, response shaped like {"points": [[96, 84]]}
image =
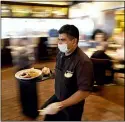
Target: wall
{"points": [[24, 27], [108, 5], [92, 8], [97, 11]]}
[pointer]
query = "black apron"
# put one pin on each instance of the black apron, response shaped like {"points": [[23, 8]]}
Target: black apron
{"points": [[72, 113]]}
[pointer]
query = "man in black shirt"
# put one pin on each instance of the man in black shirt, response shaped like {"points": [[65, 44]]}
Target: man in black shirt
{"points": [[73, 79]]}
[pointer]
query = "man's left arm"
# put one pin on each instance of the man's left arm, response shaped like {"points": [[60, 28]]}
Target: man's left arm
{"points": [[75, 98]]}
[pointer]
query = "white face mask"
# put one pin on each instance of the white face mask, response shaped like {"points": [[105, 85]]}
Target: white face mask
{"points": [[63, 48]]}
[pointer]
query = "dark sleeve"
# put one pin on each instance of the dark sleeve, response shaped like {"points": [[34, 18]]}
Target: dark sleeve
{"points": [[107, 57], [93, 55], [85, 77], [100, 55]]}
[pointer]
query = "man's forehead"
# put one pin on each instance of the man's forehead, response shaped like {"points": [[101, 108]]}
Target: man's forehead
{"points": [[63, 35]]}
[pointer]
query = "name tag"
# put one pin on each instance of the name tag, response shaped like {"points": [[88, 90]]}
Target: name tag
{"points": [[68, 74]]}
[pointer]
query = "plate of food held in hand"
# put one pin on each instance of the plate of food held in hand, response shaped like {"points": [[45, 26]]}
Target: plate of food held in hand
{"points": [[28, 74]]}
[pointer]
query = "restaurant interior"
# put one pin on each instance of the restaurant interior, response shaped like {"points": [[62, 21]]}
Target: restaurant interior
{"points": [[29, 35]]}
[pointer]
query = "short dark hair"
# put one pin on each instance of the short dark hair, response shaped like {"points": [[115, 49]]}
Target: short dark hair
{"points": [[97, 31], [70, 30]]}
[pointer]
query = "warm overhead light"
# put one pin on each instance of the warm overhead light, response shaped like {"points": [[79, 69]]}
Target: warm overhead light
{"points": [[58, 2]]}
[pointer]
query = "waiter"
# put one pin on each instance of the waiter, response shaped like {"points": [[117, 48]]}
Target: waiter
{"points": [[73, 79]]}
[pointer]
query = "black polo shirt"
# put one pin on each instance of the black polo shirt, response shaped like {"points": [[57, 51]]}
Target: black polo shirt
{"points": [[73, 73]]}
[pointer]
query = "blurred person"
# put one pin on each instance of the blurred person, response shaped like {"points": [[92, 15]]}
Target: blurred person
{"points": [[24, 54], [53, 33], [97, 37], [73, 79], [53, 38], [100, 53]]}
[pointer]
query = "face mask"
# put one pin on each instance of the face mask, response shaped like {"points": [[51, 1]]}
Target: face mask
{"points": [[63, 48]]}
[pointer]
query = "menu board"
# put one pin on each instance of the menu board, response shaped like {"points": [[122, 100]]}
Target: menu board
{"points": [[5, 10], [21, 11], [34, 11]]}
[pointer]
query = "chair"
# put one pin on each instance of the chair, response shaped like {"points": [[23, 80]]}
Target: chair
{"points": [[100, 67]]}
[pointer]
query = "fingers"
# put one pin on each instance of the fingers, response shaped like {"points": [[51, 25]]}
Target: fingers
{"points": [[45, 71]]}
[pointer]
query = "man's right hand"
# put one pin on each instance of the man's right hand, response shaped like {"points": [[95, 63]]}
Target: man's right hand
{"points": [[51, 109]]}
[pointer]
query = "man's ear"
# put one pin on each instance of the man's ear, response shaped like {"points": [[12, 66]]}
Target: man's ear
{"points": [[74, 41]]}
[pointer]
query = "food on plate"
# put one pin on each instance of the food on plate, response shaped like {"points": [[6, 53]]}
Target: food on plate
{"points": [[45, 71], [24, 75], [29, 73]]}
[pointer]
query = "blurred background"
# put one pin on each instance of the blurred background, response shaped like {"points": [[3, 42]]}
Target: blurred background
{"points": [[29, 38]]}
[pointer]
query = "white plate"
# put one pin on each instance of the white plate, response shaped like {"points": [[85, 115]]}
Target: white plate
{"points": [[20, 72]]}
